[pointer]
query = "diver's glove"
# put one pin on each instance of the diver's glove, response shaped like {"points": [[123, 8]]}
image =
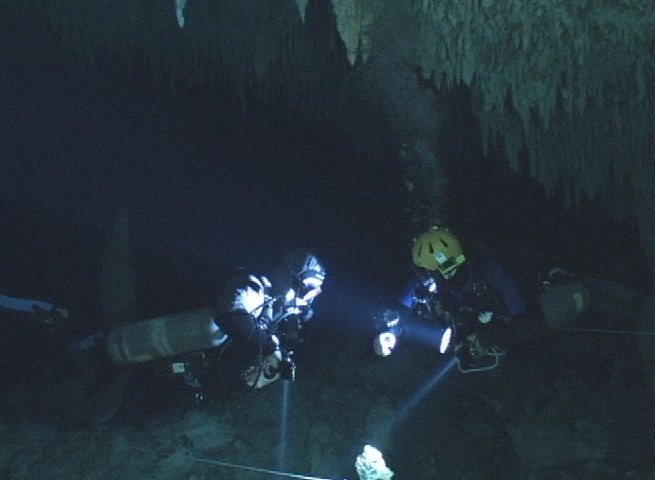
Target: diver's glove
{"points": [[470, 316], [389, 325], [266, 371], [54, 316], [384, 344], [485, 317], [300, 308], [489, 317], [270, 364]]}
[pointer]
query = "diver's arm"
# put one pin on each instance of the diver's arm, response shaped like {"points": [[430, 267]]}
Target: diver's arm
{"points": [[243, 328], [25, 305], [508, 289]]}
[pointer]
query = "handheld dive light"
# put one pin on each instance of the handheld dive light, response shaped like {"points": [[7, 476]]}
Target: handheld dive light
{"points": [[287, 367]]}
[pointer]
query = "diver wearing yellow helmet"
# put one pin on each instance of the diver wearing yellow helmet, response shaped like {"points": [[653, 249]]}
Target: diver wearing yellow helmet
{"points": [[457, 297], [470, 303]]}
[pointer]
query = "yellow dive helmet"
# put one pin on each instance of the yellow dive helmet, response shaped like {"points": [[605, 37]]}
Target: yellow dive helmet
{"points": [[438, 250]]}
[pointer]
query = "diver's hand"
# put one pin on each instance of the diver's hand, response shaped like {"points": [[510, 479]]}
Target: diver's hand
{"points": [[54, 318], [489, 316], [271, 364], [485, 317], [301, 308], [384, 344], [266, 372]]}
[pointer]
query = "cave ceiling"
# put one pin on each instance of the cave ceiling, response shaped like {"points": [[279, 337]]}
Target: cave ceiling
{"points": [[565, 84]]}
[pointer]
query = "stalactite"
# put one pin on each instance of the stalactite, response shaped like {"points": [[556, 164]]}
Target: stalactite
{"points": [[241, 39], [565, 64], [355, 20], [302, 8]]}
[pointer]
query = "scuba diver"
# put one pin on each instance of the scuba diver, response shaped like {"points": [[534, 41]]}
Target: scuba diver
{"points": [[469, 304], [248, 339], [263, 321]]}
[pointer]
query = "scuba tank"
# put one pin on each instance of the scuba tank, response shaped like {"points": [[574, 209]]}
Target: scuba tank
{"points": [[164, 336], [562, 303]]}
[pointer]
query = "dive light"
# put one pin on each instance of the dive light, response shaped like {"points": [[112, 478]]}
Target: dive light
{"points": [[287, 367]]}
